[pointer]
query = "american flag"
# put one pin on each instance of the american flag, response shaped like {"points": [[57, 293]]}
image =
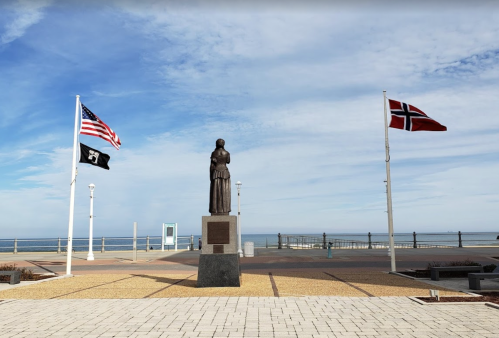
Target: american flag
{"points": [[405, 116], [92, 125]]}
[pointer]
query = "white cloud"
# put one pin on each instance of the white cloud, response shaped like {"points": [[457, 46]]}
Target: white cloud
{"points": [[297, 95], [28, 13], [305, 164], [117, 94]]}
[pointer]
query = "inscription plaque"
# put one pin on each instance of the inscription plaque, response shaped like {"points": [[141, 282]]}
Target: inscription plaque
{"points": [[218, 248], [218, 233]]}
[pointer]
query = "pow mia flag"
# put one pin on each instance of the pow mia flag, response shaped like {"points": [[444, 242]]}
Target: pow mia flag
{"points": [[93, 157]]}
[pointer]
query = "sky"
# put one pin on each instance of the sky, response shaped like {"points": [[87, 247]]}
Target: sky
{"points": [[295, 88]]}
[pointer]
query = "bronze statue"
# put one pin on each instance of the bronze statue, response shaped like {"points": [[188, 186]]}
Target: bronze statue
{"points": [[220, 180]]}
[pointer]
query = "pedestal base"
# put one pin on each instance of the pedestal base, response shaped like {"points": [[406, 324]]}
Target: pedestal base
{"points": [[219, 234], [219, 270]]}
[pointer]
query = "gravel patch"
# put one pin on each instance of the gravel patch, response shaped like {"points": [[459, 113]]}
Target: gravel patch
{"points": [[288, 283]]}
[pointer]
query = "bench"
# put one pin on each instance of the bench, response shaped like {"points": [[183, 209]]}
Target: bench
{"points": [[435, 271], [475, 278], [15, 276]]}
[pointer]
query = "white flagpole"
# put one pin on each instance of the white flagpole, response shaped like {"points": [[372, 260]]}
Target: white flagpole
{"points": [[389, 191], [73, 186]]}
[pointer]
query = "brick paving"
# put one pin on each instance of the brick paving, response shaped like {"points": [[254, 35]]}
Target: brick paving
{"points": [[306, 317]]}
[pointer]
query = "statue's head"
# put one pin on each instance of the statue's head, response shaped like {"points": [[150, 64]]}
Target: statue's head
{"points": [[220, 143]]}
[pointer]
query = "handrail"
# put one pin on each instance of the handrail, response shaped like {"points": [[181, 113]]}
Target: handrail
{"points": [[27, 245], [295, 241], [309, 241]]}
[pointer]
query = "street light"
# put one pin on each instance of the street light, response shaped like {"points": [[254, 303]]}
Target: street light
{"points": [[239, 250], [90, 256]]}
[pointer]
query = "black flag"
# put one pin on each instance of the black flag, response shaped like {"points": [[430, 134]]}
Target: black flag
{"points": [[93, 157]]}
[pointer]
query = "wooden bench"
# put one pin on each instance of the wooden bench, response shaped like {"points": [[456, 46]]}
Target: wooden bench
{"points": [[15, 276], [435, 271], [475, 278]]}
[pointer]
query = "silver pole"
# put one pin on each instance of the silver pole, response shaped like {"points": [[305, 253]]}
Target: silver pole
{"points": [[239, 249], [163, 238], [134, 241], [389, 191], [73, 187], [90, 256], [176, 231]]}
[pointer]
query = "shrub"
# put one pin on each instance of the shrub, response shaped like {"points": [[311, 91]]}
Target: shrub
{"points": [[26, 274], [433, 264], [489, 268], [466, 262]]}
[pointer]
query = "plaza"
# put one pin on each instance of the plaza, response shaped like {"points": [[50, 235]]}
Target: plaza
{"points": [[284, 293]]}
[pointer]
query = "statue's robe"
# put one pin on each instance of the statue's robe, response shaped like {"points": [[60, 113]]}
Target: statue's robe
{"points": [[220, 182]]}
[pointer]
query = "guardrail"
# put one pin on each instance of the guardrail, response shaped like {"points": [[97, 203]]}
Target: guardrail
{"points": [[439, 240], [81, 244], [354, 241]]}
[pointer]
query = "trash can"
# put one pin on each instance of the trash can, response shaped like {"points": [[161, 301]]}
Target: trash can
{"points": [[249, 249]]}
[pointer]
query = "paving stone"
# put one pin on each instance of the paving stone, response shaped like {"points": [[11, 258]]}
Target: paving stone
{"points": [[259, 317]]}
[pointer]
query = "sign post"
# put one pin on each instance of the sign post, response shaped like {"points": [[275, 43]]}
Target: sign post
{"points": [[169, 235], [134, 241]]}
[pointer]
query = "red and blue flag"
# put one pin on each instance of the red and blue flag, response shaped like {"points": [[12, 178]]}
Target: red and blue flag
{"points": [[405, 116]]}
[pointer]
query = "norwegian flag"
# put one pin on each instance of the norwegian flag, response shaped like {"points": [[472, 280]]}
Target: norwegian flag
{"points": [[405, 116]]}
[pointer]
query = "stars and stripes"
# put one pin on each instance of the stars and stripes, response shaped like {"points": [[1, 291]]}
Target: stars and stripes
{"points": [[405, 116], [92, 125]]}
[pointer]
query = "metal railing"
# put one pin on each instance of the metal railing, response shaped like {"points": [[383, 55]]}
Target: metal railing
{"points": [[59, 245], [438, 240], [354, 241]]}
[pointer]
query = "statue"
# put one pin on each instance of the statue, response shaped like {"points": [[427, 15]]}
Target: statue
{"points": [[220, 180]]}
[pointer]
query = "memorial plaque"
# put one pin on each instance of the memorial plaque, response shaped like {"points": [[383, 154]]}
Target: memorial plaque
{"points": [[218, 248], [218, 233]]}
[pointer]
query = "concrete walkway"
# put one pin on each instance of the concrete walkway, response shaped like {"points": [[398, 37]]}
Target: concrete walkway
{"points": [[307, 316]]}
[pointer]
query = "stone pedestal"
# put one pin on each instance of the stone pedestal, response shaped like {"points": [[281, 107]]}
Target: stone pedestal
{"points": [[219, 261], [219, 270]]}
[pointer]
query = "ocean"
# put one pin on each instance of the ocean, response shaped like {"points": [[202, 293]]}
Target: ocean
{"points": [[260, 241]]}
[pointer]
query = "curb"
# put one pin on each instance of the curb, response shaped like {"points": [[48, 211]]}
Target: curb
{"points": [[420, 302]]}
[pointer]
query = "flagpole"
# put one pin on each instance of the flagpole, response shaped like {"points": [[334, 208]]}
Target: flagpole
{"points": [[73, 186], [389, 191]]}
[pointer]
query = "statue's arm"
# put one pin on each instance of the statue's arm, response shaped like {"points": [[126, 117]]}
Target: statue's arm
{"points": [[228, 157], [212, 165]]}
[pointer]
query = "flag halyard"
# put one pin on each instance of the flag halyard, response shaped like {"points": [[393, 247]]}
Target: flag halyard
{"points": [[410, 118], [93, 126]]}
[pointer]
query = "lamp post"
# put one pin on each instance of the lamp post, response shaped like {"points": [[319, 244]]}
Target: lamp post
{"points": [[90, 256], [239, 250]]}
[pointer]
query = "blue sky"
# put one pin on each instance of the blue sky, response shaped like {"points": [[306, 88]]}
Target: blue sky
{"points": [[296, 91]]}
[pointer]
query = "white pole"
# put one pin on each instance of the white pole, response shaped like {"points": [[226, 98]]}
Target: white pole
{"points": [[73, 186], [90, 256], [389, 191], [176, 230], [134, 241], [163, 238], [239, 250]]}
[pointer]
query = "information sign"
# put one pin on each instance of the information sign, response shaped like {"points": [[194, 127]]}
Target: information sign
{"points": [[169, 235]]}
